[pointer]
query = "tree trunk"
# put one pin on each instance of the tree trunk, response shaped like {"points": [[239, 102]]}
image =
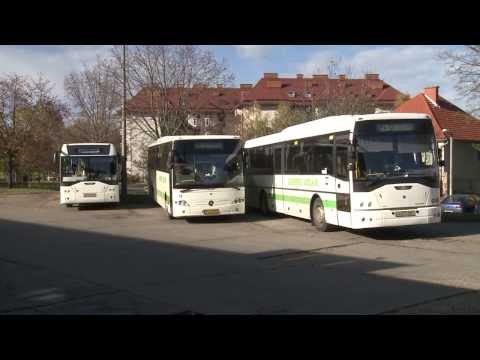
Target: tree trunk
{"points": [[10, 171]]}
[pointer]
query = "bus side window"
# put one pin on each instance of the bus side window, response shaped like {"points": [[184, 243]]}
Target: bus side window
{"points": [[295, 158], [277, 160]]}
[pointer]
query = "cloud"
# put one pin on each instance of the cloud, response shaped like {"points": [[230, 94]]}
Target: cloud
{"points": [[255, 52], [52, 62], [407, 68]]}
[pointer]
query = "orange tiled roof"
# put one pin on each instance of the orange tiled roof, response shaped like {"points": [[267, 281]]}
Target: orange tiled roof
{"points": [[446, 115]]}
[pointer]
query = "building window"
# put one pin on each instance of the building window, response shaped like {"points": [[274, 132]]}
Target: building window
{"points": [[207, 122], [308, 94], [291, 94]]}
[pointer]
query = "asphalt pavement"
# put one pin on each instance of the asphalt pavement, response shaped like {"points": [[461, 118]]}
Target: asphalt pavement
{"points": [[132, 259]]}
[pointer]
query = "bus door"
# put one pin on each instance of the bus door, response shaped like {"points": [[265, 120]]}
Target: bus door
{"points": [[278, 170], [342, 185]]}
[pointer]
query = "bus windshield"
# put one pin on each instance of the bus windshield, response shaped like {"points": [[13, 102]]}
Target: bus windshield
{"points": [[207, 163], [395, 149], [88, 168]]}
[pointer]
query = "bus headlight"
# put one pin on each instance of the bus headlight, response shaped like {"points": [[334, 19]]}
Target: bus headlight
{"points": [[181, 203], [238, 201]]}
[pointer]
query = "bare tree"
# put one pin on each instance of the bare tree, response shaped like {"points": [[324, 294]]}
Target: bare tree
{"points": [[14, 129], [165, 75], [96, 98], [338, 98], [335, 98], [45, 115], [257, 125], [465, 68], [31, 123]]}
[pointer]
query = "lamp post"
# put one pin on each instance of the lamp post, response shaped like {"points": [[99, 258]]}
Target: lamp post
{"points": [[124, 127], [450, 167]]}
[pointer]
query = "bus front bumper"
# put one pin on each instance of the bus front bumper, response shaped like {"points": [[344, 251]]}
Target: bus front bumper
{"points": [[393, 217], [71, 198], [231, 209]]}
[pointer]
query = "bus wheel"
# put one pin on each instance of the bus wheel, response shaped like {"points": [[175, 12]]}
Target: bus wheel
{"points": [[264, 204], [69, 205], [317, 214]]}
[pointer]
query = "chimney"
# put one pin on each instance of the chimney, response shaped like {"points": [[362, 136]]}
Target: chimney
{"points": [[432, 93], [220, 86], [371, 76], [342, 76], [270, 75], [299, 76], [245, 86]]}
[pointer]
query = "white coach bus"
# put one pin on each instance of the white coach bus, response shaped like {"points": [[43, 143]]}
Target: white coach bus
{"points": [[355, 171], [89, 173], [197, 175]]}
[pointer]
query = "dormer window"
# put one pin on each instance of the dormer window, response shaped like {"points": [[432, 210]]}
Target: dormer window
{"points": [[291, 94]]}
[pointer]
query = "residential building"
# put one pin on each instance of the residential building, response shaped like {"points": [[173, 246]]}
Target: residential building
{"points": [[458, 136], [226, 110]]}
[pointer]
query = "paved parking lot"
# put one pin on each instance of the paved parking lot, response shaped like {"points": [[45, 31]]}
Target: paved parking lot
{"points": [[134, 260]]}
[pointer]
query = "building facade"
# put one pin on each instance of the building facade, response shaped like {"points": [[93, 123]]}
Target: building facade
{"points": [[227, 110]]}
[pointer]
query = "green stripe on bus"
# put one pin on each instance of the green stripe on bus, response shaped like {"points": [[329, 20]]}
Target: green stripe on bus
{"points": [[329, 203], [303, 200]]}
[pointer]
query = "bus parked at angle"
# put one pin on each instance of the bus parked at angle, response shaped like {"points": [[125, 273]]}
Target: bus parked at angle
{"points": [[197, 175], [89, 173], [355, 171]]}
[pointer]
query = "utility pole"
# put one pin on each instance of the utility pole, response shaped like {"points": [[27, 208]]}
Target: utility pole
{"points": [[124, 127], [450, 184]]}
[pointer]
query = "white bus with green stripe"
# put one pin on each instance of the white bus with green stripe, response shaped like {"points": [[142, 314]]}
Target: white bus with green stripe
{"points": [[355, 171], [198, 175]]}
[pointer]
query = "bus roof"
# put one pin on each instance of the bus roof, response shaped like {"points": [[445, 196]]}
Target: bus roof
{"points": [[326, 125], [112, 150], [166, 139]]}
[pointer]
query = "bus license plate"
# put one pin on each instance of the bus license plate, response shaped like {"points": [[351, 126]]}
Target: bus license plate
{"points": [[211, 212], [89, 195], [405, 213]]}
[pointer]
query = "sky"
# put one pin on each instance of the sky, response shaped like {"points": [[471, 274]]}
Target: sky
{"points": [[409, 68]]}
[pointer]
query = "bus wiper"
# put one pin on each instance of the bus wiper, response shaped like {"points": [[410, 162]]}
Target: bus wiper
{"points": [[187, 190]]}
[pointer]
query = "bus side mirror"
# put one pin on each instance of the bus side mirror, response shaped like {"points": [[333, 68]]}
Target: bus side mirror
{"points": [[55, 156], [350, 166]]}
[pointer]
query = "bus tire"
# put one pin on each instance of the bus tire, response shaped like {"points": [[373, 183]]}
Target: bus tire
{"points": [[317, 215], [69, 205], [264, 203]]}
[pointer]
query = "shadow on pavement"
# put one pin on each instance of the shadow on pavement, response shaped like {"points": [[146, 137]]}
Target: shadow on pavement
{"points": [[134, 201], [430, 231], [249, 216], [54, 270]]}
